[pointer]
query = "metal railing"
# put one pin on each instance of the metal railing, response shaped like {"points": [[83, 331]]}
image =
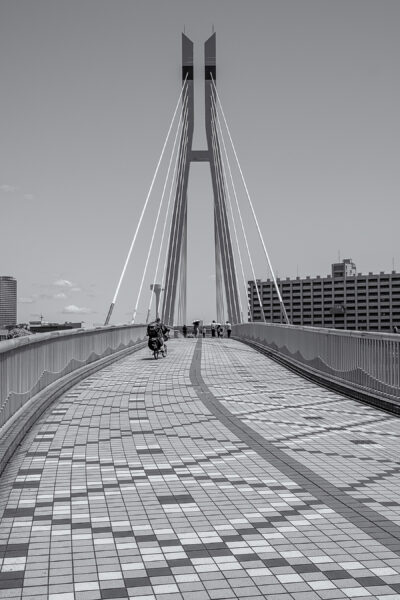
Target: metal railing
{"points": [[29, 364], [367, 362]]}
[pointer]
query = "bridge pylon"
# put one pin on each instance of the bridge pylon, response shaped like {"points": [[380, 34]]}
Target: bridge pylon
{"points": [[176, 279]]}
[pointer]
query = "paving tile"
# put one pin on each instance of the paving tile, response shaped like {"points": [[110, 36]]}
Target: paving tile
{"points": [[233, 478]]}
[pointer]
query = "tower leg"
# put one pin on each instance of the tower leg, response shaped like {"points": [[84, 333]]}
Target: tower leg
{"points": [[226, 257], [176, 261]]}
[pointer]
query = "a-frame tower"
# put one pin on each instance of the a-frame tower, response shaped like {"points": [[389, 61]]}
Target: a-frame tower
{"points": [[226, 281]]}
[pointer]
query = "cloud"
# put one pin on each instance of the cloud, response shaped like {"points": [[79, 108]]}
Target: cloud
{"points": [[63, 283], [8, 189], [76, 310], [76, 289], [59, 296], [27, 300]]}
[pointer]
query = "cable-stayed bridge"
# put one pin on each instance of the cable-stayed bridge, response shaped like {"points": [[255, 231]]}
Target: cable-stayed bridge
{"points": [[261, 466], [170, 226]]}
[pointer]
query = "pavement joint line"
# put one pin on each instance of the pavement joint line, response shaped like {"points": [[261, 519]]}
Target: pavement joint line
{"points": [[357, 513]]}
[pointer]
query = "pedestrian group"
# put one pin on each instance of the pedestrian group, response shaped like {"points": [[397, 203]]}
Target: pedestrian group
{"points": [[217, 330]]}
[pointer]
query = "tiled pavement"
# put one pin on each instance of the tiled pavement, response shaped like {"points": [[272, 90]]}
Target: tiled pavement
{"points": [[214, 473]]}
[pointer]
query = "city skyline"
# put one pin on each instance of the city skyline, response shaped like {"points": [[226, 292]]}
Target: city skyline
{"points": [[90, 90]]}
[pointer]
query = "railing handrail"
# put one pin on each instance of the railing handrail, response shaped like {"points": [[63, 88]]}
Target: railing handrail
{"points": [[37, 338], [36, 369], [327, 330], [31, 363], [364, 363]]}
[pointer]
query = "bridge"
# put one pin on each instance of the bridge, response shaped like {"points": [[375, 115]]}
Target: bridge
{"points": [[265, 465]]}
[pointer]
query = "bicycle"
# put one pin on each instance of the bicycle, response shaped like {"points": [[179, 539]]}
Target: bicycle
{"points": [[155, 346]]}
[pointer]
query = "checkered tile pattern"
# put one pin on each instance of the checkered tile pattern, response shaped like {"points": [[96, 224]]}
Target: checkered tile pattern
{"points": [[155, 479]]}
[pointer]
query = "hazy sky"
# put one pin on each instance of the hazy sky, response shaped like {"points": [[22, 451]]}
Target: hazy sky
{"points": [[311, 90]]}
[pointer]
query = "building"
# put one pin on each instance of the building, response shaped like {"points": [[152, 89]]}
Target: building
{"points": [[343, 300], [8, 301]]}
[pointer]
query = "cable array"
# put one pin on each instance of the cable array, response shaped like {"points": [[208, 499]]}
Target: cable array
{"points": [[171, 270], [110, 310], [240, 216], [178, 186], [173, 180], [252, 209], [226, 215], [215, 119], [157, 217], [221, 188]]}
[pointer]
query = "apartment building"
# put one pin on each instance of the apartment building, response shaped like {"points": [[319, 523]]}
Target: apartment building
{"points": [[8, 300], [344, 299]]}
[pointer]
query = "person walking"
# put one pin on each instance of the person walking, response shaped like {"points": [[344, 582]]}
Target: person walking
{"points": [[228, 328], [204, 332], [220, 330], [196, 328], [184, 331], [213, 328]]}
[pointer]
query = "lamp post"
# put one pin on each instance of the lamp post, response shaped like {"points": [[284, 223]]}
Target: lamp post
{"points": [[156, 288]]}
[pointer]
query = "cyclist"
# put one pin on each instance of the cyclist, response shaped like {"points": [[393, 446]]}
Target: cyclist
{"points": [[158, 330]]}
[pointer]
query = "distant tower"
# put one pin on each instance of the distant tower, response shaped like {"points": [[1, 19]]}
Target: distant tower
{"points": [[8, 301], [225, 274]]}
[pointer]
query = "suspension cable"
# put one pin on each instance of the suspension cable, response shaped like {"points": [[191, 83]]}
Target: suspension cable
{"points": [[224, 223], [182, 124], [215, 118], [218, 240], [252, 208], [177, 179], [241, 220], [157, 218], [175, 186], [235, 230], [229, 200], [143, 210], [178, 191], [180, 202]]}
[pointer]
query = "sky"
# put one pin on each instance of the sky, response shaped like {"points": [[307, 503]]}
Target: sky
{"points": [[311, 92]]}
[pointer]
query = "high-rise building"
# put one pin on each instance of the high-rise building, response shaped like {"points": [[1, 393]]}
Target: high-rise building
{"points": [[343, 300], [8, 301]]}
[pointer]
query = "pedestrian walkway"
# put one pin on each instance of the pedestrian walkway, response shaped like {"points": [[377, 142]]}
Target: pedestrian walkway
{"points": [[212, 474]]}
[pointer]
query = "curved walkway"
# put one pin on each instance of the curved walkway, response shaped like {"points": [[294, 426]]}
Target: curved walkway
{"points": [[214, 473]]}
